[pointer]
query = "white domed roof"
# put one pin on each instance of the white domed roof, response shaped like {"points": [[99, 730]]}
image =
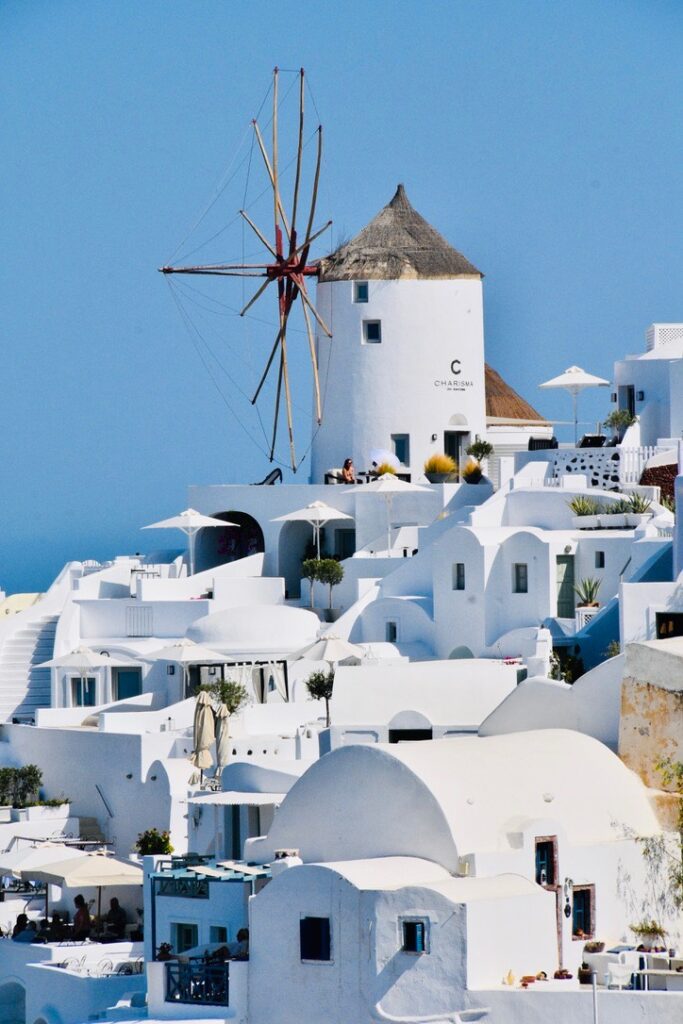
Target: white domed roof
{"points": [[258, 629]]}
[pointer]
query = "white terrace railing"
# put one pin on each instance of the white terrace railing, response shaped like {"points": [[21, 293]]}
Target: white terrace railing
{"points": [[603, 467]]}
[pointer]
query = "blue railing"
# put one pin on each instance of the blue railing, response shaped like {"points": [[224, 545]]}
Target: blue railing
{"points": [[207, 984]]}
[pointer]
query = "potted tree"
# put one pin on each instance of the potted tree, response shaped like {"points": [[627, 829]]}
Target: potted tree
{"points": [[619, 420], [481, 451], [320, 686], [331, 573], [440, 469], [310, 569]]}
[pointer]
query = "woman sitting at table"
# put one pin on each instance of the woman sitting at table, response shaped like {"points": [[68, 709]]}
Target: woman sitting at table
{"points": [[348, 472], [82, 922]]}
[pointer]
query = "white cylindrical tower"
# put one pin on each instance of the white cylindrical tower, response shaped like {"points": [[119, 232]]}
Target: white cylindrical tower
{"points": [[404, 370]]}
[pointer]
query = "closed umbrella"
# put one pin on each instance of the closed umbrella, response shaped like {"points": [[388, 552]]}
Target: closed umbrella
{"points": [[204, 733], [190, 522], [318, 513], [389, 485], [222, 739], [574, 380]]}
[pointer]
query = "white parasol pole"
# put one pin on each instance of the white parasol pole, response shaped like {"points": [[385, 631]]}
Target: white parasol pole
{"points": [[575, 403], [190, 534]]}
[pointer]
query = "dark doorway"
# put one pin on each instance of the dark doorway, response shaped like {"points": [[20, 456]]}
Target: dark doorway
{"points": [[216, 546], [669, 624], [454, 445], [409, 735]]}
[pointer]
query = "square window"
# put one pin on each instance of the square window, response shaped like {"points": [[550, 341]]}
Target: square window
{"points": [[314, 938], [360, 291], [401, 445], [599, 559], [414, 936], [458, 576], [520, 578], [372, 332]]}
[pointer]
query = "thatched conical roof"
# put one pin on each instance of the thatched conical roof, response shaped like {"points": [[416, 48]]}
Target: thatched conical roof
{"points": [[397, 243], [503, 402]]}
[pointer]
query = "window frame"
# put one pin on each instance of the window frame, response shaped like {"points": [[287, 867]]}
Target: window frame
{"points": [[391, 623], [315, 960], [76, 683], [357, 285], [599, 559], [517, 587], [174, 930], [418, 922], [551, 841], [589, 890], [372, 323], [404, 443]]}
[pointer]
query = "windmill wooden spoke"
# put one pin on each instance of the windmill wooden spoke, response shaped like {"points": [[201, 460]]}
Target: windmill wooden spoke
{"points": [[289, 266], [314, 361], [256, 296], [314, 311], [259, 234]]}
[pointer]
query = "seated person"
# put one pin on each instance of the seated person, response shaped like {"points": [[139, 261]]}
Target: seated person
{"points": [[82, 922], [56, 929], [21, 931], [348, 472], [115, 920], [239, 950]]}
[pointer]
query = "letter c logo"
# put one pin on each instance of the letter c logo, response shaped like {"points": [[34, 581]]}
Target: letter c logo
{"points": [[455, 367]]}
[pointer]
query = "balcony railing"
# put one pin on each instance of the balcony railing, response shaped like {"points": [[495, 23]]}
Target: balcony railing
{"points": [[198, 983]]}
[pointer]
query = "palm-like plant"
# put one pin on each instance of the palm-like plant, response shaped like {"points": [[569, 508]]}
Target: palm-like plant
{"points": [[587, 591]]}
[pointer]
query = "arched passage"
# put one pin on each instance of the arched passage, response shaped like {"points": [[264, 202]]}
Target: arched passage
{"points": [[217, 545], [12, 1003]]}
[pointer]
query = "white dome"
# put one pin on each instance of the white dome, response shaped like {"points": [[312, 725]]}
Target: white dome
{"points": [[266, 629]]}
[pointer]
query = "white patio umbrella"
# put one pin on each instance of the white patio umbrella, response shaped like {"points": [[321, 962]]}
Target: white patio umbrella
{"points": [[190, 522], [83, 660], [574, 380], [318, 513], [383, 455], [24, 858], [204, 732], [389, 485], [222, 739], [185, 652], [87, 869], [330, 648]]}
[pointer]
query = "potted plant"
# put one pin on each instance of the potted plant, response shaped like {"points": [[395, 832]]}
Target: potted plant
{"points": [[310, 569], [384, 468], [152, 841], [480, 450], [650, 934], [585, 974], [331, 573], [472, 473], [586, 591], [637, 510], [440, 468], [320, 686], [613, 516], [585, 511], [619, 420]]}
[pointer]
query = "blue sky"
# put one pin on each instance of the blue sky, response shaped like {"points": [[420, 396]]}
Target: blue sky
{"points": [[545, 140]]}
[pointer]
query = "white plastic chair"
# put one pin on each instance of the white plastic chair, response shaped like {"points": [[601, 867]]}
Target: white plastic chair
{"points": [[619, 975]]}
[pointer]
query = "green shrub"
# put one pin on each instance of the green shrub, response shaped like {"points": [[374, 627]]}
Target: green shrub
{"points": [[310, 570], [638, 504], [228, 692], [480, 449], [320, 686], [582, 505], [153, 841], [618, 420]]}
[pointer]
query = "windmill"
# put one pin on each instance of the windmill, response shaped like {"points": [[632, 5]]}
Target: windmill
{"points": [[289, 267]]}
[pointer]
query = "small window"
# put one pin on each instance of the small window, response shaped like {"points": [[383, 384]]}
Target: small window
{"points": [[184, 936], [599, 559], [217, 933], [314, 937], [83, 691], [414, 936], [520, 578], [583, 911], [372, 332], [401, 445], [545, 861], [360, 291], [391, 632], [458, 576]]}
